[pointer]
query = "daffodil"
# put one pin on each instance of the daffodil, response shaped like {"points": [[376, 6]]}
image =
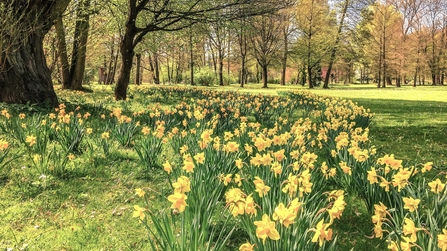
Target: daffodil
{"points": [[247, 247], [442, 240], [178, 201], [261, 188], [410, 203], [140, 192], [183, 185], [167, 167], [31, 140], [139, 212], [266, 228], [410, 229], [286, 216], [322, 233], [436, 186]]}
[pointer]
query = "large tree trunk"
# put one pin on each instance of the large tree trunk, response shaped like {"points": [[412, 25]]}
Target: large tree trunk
{"points": [[127, 53], [310, 78], [127, 47], [24, 75]]}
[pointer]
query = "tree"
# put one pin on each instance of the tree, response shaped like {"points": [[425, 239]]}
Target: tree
{"points": [[333, 50], [314, 24], [73, 74], [24, 75], [266, 38], [383, 31], [146, 16], [411, 12]]}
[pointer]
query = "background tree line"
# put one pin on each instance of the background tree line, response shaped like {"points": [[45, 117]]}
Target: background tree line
{"points": [[307, 42]]}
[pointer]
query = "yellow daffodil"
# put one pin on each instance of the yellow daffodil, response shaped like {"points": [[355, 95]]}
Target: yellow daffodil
{"points": [[183, 185], [322, 233], [261, 188], [200, 158], [31, 140], [178, 201], [140, 192], [167, 167], [3, 145], [266, 228], [286, 216], [410, 229], [247, 247], [139, 212], [411, 204], [442, 240], [436, 186]]}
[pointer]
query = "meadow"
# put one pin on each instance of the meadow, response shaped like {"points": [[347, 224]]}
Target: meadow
{"points": [[181, 168]]}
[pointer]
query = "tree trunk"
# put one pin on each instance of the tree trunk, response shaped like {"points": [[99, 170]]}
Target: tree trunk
{"points": [[138, 70], [24, 75], [334, 48], [191, 60], [220, 71], [63, 57], [264, 75], [127, 53], [127, 47], [284, 58], [310, 77], [79, 54]]}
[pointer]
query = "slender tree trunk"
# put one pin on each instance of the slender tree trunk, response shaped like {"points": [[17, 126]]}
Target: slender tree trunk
{"points": [[79, 54], [284, 57], [264, 75], [220, 69], [191, 60], [138, 69], [335, 47], [63, 57]]}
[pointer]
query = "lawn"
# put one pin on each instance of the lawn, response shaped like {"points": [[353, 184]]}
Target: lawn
{"points": [[88, 204]]}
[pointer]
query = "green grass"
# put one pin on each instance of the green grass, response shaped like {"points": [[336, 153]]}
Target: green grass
{"points": [[93, 211]]}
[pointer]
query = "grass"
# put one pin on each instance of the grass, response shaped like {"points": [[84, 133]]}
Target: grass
{"points": [[94, 210]]}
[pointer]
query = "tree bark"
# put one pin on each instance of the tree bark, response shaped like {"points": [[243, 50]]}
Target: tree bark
{"points": [[335, 47], [79, 54], [138, 70], [63, 57], [26, 78], [127, 47], [284, 57], [264, 75], [24, 75]]}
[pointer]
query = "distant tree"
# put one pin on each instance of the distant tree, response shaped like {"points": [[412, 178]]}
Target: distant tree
{"points": [[334, 47], [266, 41], [24, 75], [314, 23], [383, 32], [73, 73]]}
